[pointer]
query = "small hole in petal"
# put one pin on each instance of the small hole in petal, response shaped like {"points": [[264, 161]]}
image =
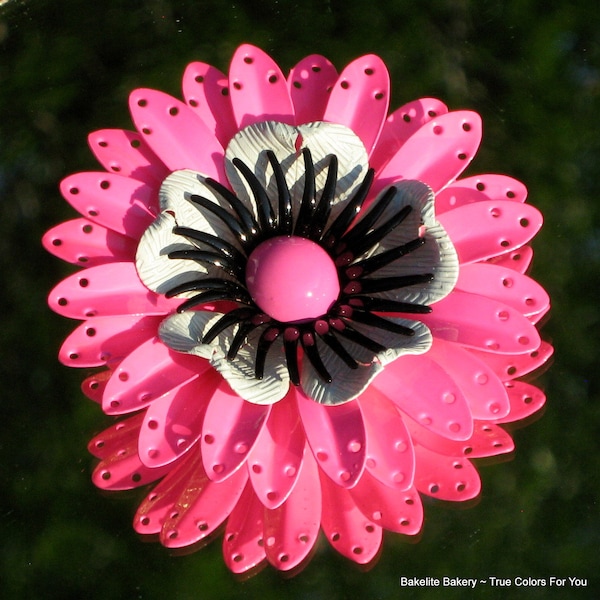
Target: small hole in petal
{"points": [[193, 103], [357, 550], [136, 143], [84, 282], [153, 424], [105, 184], [461, 487], [345, 85], [316, 69], [527, 399], [510, 194], [438, 130], [322, 456], [462, 156], [92, 212], [303, 538], [73, 356], [256, 469], [238, 558], [136, 478], [503, 315], [369, 528], [74, 191], [123, 376], [524, 222], [146, 130], [379, 95], [237, 85], [209, 439], [142, 102], [480, 186], [335, 537], [173, 111], [106, 475], [62, 302], [297, 85], [466, 126], [406, 118], [87, 229], [56, 242], [202, 525], [248, 60], [273, 78], [505, 243], [523, 340], [90, 332], [225, 92], [369, 71], [434, 488], [432, 113], [283, 558], [199, 79], [511, 370]]}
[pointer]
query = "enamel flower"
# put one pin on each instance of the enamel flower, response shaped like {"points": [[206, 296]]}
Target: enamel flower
{"points": [[309, 318]]}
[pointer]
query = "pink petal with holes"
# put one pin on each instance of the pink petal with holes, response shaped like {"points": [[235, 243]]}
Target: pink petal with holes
{"points": [[494, 228], [150, 371], [513, 366], [310, 83], [482, 389], [86, 244], [124, 205], [100, 340], [504, 285], [351, 533], [440, 405], [487, 440], [480, 188], [94, 385], [230, 429], [275, 460], [201, 508], [176, 134], [360, 99], [291, 530], [387, 507], [258, 88], [104, 290], [482, 323], [123, 470], [205, 89], [437, 153], [116, 437], [336, 435], [126, 153], [401, 125], [449, 478], [525, 401], [243, 544], [154, 509], [173, 423], [390, 456], [517, 260]]}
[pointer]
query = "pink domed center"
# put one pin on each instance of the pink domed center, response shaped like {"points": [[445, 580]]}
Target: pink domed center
{"points": [[292, 279]]}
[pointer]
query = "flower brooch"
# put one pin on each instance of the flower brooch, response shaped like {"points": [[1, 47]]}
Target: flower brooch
{"points": [[308, 317]]}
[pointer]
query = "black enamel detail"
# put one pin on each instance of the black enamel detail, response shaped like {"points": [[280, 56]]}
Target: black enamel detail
{"points": [[348, 238]]}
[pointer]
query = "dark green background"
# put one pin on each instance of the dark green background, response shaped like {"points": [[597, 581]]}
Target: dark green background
{"points": [[531, 68]]}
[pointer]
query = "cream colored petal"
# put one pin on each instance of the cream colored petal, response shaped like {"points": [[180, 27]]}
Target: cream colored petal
{"points": [[183, 333], [349, 383], [436, 256]]}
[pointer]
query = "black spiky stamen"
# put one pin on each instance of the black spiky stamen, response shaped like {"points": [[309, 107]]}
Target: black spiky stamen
{"points": [[356, 305]]}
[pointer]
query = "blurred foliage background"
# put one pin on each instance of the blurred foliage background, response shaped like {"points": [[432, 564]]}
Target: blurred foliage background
{"points": [[530, 67]]}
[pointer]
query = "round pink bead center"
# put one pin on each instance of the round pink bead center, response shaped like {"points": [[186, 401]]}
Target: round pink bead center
{"points": [[292, 279]]}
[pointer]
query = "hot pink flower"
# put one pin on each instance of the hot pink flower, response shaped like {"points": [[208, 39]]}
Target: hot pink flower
{"points": [[309, 317]]}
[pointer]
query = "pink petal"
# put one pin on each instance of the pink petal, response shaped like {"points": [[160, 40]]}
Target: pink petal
{"points": [[401, 125], [513, 366], [126, 153], [258, 88], [123, 470], [201, 508], [154, 509], [445, 477], [150, 371], [390, 456], [487, 440], [291, 530], [310, 83], [345, 526], [100, 340], [389, 508], [173, 423], [275, 460], [336, 435], [124, 205], [105, 290], [483, 230], [94, 385], [518, 260], [176, 134], [427, 394], [481, 323], [480, 188], [437, 153], [360, 99], [206, 92], [525, 401], [504, 285], [231, 427], [116, 437], [88, 244], [484, 392], [243, 544]]}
